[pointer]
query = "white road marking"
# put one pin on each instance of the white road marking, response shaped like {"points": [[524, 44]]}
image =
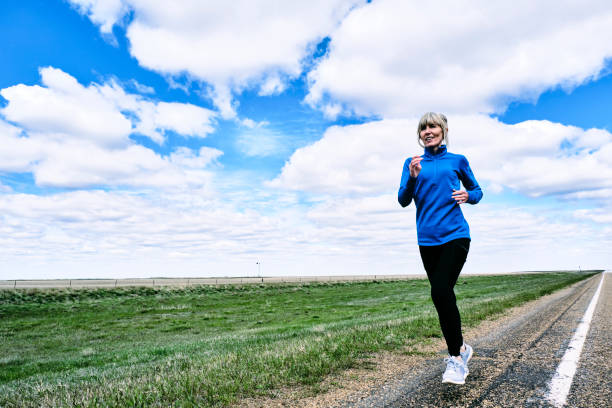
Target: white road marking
{"points": [[559, 385]]}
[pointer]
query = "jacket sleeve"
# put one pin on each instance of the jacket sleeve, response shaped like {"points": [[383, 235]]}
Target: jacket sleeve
{"points": [[469, 182], [406, 190]]}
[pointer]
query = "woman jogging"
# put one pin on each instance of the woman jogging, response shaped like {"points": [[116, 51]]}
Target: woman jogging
{"points": [[432, 181]]}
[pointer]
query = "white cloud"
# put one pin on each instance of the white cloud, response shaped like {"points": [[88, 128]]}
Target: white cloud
{"points": [[144, 89], [229, 45], [272, 85], [261, 141], [396, 58], [186, 158], [374, 224], [153, 119], [69, 135], [77, 165], [104, 13], [599, 215], [249, 123], [82, 165], [332, 110], [120, 226], [221, 94], [101, 234], [534, 158], [377, 228], [525, 237], [600, 195], [64, 107], [185, 119], [96, 112], [17, 153], [362, 159]]}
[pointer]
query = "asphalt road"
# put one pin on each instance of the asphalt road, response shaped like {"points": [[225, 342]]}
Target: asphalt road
{"points": [[513, 366]]}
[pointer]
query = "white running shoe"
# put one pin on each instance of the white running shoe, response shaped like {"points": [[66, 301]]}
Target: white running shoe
{"points": [[455, 372], [466, 356]]}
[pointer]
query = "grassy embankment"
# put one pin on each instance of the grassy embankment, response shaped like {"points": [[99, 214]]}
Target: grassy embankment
{"points": [[210, 346]]}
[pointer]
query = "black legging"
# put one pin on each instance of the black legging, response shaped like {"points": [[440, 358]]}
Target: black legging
{"points": [[443, 264]]}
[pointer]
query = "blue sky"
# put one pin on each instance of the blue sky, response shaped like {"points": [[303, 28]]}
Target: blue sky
{"points": [[143, 141]]}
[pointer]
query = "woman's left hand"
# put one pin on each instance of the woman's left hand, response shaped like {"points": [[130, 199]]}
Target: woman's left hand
{"points": [[460, 196]]}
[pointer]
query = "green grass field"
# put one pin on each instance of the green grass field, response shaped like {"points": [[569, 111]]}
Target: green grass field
{"points": [[211, 346]]}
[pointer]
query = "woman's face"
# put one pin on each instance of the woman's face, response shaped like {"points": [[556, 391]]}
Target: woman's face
{"points": [[432, 135]]}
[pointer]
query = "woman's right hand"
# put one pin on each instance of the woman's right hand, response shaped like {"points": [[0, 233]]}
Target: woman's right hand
{"points": [[415, 166]]}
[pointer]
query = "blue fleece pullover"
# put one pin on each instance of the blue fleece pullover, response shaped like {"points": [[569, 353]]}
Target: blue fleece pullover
{"points": [[438, 217]]}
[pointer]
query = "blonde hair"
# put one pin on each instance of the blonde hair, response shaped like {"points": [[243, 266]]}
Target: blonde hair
{"points": [[432, 118]]}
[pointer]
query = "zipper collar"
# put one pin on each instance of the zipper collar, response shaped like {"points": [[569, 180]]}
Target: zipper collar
{"points": [[430, 153]]}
